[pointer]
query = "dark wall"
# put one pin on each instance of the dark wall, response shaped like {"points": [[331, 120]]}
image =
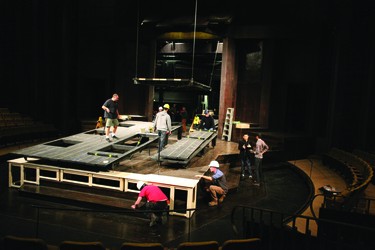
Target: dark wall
{"points": [[322, 78], [60, 60]]}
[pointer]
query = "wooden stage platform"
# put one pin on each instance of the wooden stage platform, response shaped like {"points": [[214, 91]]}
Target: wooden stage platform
{"points": [[90, 150], [87, 160]]}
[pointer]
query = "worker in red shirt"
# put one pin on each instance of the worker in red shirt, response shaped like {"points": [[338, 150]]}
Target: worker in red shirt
{"points": [[155, 200]]}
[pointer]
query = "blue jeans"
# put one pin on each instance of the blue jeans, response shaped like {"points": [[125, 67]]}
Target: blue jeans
{"points": [[245, 165], [163, 137]]}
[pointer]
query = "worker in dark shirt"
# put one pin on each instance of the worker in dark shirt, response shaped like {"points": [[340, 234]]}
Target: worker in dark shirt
{"points": [[207, 123]]}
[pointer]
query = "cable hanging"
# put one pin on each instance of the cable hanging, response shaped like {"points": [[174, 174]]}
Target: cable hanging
{"points": [[137, 42], [168, 82], [195, 28], [213, 64]]}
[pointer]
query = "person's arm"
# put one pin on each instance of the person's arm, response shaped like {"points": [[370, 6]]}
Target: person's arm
{"points": [[240, 146], [105, 106], [201, 123], [156, 121], [212, 123], [135, 205], [209, 178], [265, 148], [105, 109], [169, 125]]}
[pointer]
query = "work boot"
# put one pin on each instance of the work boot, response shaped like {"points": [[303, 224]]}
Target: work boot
{"points": [[222, 198], [213, 203]]}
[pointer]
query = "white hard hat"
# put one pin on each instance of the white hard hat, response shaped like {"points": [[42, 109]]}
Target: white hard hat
{"points": [[214, 164], [140, 184]]}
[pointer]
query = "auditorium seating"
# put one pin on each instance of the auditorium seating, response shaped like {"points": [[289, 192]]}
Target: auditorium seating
{"points": [[368, 157], [16, 128], [239, 244], [11, 242], [82, 245], [200, 245], [142, 246], [357, 172]]}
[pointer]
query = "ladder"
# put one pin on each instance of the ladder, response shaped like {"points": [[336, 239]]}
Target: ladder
{"points": [[227, 129]]}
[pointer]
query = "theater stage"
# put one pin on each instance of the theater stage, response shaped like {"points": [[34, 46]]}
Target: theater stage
{"points": [[113, 222], [87, 159]]}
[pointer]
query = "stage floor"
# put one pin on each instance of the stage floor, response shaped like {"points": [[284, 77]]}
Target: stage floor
{"points": [[113, 227]]}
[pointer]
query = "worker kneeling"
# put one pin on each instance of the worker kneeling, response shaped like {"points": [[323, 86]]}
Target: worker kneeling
{"points": [[215, 184], [156, 201]]}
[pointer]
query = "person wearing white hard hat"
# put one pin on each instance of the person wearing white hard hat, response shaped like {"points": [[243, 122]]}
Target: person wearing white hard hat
{"points": [[217, 184], [155, 200], [163, 126]]}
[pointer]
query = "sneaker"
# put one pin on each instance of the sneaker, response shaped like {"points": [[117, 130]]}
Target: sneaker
{"points": [[212, 203], [222, 198], [242, 176], [107, 139], [256, 184], [153, 220], [250, 177], [114, 137]]}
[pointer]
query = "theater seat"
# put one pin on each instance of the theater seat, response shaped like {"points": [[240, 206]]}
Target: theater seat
{"points": [[20, 243], [81, 245], [240, 244], [141, 246], [200, 245]]}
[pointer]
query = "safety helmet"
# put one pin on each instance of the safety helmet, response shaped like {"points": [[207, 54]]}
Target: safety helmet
{"points": [[140, 184], [166, 106], [214, 164]]}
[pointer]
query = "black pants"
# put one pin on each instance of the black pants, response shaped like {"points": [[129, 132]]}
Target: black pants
{"points": [[155, 206]]}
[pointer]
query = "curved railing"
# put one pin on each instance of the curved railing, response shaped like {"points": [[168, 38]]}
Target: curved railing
{"points": [[355, 170]]}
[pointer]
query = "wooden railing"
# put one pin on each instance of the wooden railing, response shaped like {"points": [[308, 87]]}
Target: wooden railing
{"points": [[357, 172], [368, 157]]}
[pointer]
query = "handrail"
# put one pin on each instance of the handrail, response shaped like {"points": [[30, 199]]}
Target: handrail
{"points": [[251, 223]]}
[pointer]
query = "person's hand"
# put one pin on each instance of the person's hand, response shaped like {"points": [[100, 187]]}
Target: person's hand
{"points": [[134, 206], [199, 175]]}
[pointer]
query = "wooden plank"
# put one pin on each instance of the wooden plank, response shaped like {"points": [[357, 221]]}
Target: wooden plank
{"points": [[181, 150], [85, 149], [184, 150]]}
